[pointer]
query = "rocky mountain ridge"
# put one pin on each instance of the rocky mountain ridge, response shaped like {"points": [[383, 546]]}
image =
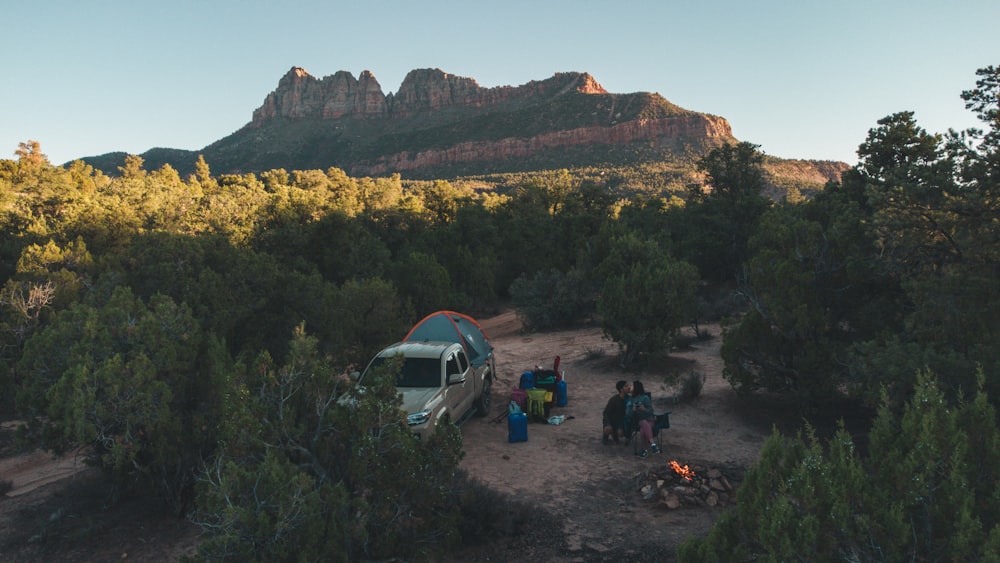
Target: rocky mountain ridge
{"points": [[440, 126], [301, 95]]}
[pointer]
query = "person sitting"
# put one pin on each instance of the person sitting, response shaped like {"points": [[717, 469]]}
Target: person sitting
{"points": [[639, 412], [614, 413]]}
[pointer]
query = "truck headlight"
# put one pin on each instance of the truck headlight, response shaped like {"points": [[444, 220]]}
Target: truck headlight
{"points": [[416, 418]]}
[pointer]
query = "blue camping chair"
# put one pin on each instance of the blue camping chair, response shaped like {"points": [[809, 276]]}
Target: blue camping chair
{"points": [[661, 422]]}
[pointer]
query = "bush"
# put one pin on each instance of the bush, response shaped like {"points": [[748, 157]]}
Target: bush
{"points": [[645, 296], [315, 469], [140, 385], [691, 385]]}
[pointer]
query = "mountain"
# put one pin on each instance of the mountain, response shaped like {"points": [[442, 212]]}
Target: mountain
{"points": [[439, 125]]}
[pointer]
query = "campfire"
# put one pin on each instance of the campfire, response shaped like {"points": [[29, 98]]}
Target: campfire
{"points": [[675, 484], [683, 471]]}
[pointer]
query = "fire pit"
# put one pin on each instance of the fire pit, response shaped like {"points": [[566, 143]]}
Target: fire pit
{"points": [[677, 485]]}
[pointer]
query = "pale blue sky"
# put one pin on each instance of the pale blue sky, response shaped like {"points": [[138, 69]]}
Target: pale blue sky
{"points": [[803, 79]]}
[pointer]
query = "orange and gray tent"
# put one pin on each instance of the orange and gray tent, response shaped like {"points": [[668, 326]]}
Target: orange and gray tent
{"points": [[449, 326]]}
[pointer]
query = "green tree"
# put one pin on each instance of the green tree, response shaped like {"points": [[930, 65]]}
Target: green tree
{"points": [[30, 157], [934, 208], [422, 280], [551, 299], [47, 279], [468, 248], [889, 271], [442, 200], [318, 470], [646, 296], [203, 174], [140, 386], [133, 167], [530, 241], [232, 209], [225, 286], [370, 315], [814, 288], [921, 494], [343, 248], [69, 268], [721, 218], [379, 194]]}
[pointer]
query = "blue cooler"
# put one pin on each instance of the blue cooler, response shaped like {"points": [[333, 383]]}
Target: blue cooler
{"points": [[517, 427]]}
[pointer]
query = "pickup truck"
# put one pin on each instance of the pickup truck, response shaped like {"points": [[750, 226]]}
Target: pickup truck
{"points": [[438, 383]]}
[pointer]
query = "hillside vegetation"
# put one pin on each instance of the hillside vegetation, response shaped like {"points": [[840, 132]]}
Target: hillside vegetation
{"points": [[193, 332]]}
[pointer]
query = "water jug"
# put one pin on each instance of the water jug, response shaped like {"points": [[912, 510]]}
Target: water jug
{"points": [[517, 427]]}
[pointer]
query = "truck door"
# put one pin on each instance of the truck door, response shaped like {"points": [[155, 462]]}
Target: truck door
{"points": [[460, 395]]}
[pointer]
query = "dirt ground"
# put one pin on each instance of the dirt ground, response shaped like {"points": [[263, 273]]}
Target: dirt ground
{"points": [[592, 487], [54, 510]]}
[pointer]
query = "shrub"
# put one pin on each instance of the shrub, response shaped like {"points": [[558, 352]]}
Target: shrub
{"points": [[317, 470], [643, 304], [691, 385], [552, 299], [140, 385], [594, 353]]}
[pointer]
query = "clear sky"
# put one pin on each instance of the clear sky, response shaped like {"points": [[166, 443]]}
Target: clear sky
{"points": [[800, 78]]}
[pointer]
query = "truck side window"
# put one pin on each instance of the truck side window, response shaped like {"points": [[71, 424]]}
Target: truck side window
{"points": [[463, 362], [453, 366]]}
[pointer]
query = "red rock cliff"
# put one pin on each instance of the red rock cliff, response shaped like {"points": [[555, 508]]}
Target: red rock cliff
{"points": [[687, 126], [301, 95], [566, 110]]}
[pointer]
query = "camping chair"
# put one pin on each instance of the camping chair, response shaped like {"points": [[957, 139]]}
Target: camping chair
{"points": [[660, 422]]}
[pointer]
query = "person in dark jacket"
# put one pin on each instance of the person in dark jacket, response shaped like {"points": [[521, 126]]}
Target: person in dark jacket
{"points": [[614, 413]]}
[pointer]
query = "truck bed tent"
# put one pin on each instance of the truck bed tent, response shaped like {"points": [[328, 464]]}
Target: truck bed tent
{"points": [[449, 326]]}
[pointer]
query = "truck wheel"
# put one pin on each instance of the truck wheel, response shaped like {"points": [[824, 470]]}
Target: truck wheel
{"points": [[483, 402]]}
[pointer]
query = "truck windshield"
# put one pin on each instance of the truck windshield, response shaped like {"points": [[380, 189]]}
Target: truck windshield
{"points": [[416, 372]]}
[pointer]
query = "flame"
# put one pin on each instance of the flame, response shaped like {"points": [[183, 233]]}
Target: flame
{"points": [[683, 471]]}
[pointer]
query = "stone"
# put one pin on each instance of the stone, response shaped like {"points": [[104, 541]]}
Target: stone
{"points": [[648, 492], [671, 502]]}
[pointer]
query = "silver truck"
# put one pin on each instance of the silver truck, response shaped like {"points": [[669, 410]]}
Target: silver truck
{"points": [[438, 383]]}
